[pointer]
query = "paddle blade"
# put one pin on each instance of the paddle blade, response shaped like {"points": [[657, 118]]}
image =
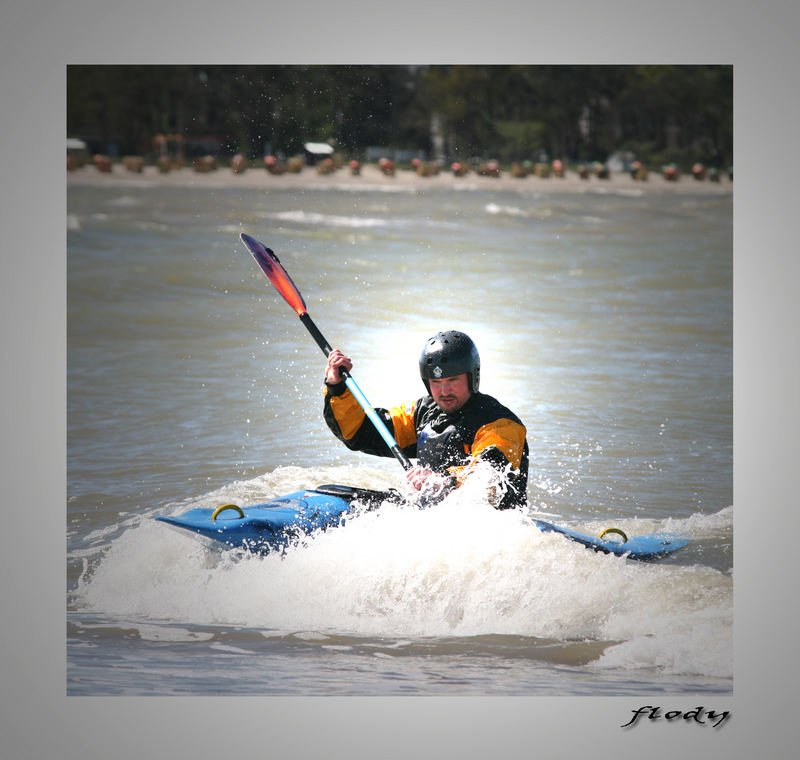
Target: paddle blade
{"points": [[276, 274]]}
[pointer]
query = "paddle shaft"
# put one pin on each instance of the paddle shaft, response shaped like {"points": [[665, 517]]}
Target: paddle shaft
{"points": [[379, 424], [279, 277]]}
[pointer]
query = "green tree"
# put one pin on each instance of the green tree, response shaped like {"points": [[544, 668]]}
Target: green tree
{"points": [[681, 113]]}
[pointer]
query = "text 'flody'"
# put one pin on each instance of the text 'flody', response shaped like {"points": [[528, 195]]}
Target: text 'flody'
{"points": [[698, 715]]}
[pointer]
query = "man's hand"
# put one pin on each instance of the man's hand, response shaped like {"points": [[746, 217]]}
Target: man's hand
{"points": [[423, 478], [336, 360]]}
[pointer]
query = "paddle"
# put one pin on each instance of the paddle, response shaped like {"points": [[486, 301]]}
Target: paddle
{"points": [[279, 277]]}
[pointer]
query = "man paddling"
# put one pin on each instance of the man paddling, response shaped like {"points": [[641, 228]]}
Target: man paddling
{"points": [[449, 431]]}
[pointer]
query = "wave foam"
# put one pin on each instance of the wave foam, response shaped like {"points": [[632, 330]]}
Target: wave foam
{"points": [[460, 568]]}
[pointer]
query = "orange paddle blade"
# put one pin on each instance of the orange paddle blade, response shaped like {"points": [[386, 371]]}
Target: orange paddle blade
{"points": [[276, 274]]}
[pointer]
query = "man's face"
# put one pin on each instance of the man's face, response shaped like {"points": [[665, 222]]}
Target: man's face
{"points": [[450, 393]]}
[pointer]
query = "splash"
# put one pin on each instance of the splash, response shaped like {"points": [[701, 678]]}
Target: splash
{"points": [[459, 568]]}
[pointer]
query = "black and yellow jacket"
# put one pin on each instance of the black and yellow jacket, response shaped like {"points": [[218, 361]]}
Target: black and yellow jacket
{"points": [[449, 444]]}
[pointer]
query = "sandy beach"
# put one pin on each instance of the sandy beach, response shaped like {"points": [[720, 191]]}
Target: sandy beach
{"points": [[371, 177]]}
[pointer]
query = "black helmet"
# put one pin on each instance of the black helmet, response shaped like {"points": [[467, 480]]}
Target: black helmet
{"points": [[447, 354]]}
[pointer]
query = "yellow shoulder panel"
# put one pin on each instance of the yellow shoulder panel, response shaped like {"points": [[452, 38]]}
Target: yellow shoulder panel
{"points": [[403, 419], [504, 434]]}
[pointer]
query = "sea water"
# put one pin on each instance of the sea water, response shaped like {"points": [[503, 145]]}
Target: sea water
{"points": [[603, 318]]}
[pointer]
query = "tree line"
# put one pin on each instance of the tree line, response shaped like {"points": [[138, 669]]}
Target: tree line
{"points": [[656, 113]]}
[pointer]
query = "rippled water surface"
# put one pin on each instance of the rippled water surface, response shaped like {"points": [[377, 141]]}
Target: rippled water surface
{"points": [[603, 319]]}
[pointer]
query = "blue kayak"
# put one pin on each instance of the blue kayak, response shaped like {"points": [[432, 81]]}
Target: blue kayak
{"points": [[276, 524], [644, 547]]}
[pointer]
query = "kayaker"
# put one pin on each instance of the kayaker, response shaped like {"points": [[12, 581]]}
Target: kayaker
{"points": [[448, 431]]}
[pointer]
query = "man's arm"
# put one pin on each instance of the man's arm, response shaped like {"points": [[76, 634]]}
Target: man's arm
{"points": [[501, 443], [350, 424]]}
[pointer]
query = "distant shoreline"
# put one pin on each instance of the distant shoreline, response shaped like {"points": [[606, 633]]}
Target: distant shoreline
{"points": [[371, 177]]}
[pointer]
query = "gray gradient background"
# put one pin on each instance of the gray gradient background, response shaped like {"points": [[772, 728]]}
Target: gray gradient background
{"points": [[39, 40]]}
